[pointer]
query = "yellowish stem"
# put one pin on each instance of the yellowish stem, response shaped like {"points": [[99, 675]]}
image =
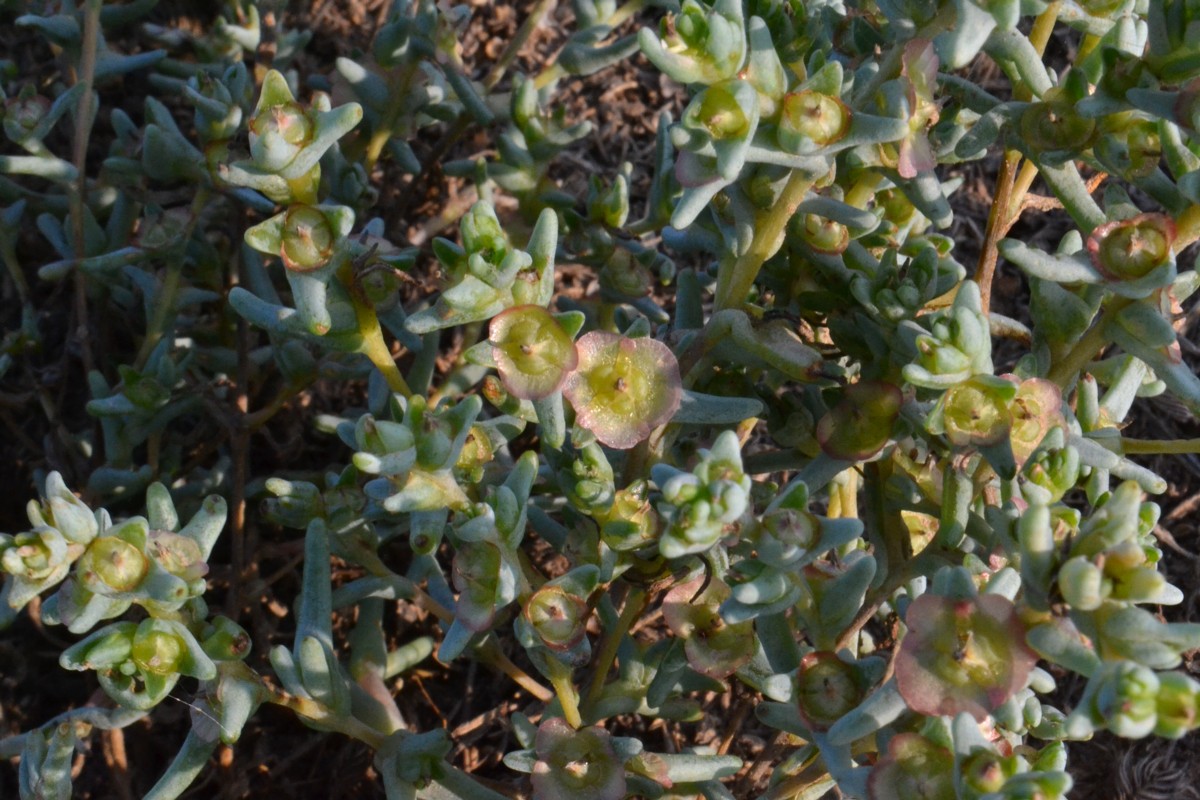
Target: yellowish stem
{"points": [[734, 283]]}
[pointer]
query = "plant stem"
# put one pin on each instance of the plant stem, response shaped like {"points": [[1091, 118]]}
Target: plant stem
{"points": [[564, 687], [319, 713], [380, 136], [734, 283], [1065, 371], [373, 345], [1043, 27], [1160, 446], [83, 130], [528, 26], [490, 653], [997, 225], [635, 603], [164, 304]]}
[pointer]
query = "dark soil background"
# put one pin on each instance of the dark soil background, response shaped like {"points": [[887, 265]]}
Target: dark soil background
{"points": [[277, 757]]}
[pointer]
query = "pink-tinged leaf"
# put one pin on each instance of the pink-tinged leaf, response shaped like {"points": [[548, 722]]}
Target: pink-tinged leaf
{"points": [[916, 156], [920, 65], [623, 388], [533, 352], [962, 655]]}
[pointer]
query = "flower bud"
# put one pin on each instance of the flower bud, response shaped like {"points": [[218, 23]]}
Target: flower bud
{"points": [[824, 235], [23, 114], [61, 509], [36, 560], [280, 127], [1082, 584], [1177, 706], [985, 771]]}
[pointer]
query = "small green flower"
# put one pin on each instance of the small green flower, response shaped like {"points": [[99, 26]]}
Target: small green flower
{"points": [[576, 765], [717, 112], [962, 655], [631, 522], [533, 352], [713, 646], [827, 688], [975, 413], [1036, 410], [558, 617], [304, 237], [1136, 251], [811, 120], [1054, 125], [913, 769], [623, 388], [113, 564], [861, 424]]}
